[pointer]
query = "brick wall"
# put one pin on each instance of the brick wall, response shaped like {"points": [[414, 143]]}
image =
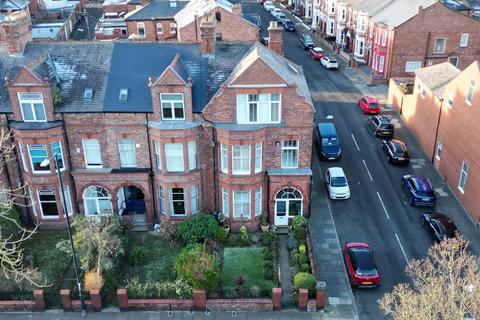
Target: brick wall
{"points": [[151, 33], [240, 304]]}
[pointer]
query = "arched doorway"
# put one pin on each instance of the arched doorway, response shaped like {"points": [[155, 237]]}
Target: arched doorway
{"points": [[97, 201], [288, 203], [131, 202]]}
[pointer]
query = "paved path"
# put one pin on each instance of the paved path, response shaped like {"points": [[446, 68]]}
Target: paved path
{"points": [[285, 273]]}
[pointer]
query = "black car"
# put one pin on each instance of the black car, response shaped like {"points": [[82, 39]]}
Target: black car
{"points": [[288, 25], [440, 226], [306, 41], [396, 151], [381, 126]]}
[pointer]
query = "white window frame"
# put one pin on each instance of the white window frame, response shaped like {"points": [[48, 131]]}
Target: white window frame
{"points": [[384, 38], [68, 199], [359, 44], [435, 45], [192, 155], [31, 102], [158, 155], [362, 23], [47, 192], [464, 40], [463, 176], [241, 148], [88, 143], [258, 157], [162, 200], [258, 201], [61, 154], [267, 106], [438, 152], [47, 168], [171, 201], [294, 149], [172, 106], [381, 63], [22, 156], [224, 158], [122, 147], [159, 27], [173, 27], [411, 66], [141, 25], [225, 202], [456, 58], [101, 194], [177, 164], [246, 195], [194, 199], [470, 92]]}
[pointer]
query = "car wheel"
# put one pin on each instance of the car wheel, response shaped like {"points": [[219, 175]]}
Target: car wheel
{"points": [[389, 159], [412, 202]]}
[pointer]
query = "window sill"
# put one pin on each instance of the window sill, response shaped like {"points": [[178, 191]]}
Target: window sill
{"points": [[461, 190]]}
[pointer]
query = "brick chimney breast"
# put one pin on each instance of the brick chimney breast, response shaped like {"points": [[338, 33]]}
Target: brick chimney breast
{"points": [[275, 37], [207, 33], [237, 9]]}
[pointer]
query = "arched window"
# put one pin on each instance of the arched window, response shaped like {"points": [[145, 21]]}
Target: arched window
{"points": [[288, 203], [97, 201]]}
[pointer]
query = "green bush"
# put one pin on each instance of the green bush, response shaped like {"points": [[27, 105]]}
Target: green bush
{"points": [[302, 248], [305, 267], [198, 268], [292, 243], [268, 272], [267, 255], [300, 234], [198, 228], [302, 258], [138, 256], [299, 222], [268, 237], [304, 280], [177, 289]]}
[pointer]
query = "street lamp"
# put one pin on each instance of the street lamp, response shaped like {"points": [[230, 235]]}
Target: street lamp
{"points": [[45, 163]]}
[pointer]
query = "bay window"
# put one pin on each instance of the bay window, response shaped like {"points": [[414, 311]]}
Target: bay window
{"points": [[241, 204], [194, 199], [224, 158], [32, 107], [38, 153], [174, 157], [57, 149], [22, 156], [48, 203], [192, 155], [258, 201], [163, 201], [241, 159], [258, 157], [177, 201], [225, 202], [258, 108], [158, 155]]}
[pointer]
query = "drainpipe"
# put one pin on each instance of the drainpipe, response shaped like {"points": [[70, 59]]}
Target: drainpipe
{"points": [[150, 174], [426, 50], [215, 176], [436, 130], [67, 146]]}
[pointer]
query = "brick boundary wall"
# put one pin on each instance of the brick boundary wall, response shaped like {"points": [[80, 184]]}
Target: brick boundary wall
{"points": [[261, 304], [38, 304], [95, 302]]}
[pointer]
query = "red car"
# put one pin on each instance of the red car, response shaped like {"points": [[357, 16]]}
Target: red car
{"points": [[361, 266], [316, 53], [369, 105]]}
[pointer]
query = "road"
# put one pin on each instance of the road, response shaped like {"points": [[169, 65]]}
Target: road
{"points": [[377, 212]]}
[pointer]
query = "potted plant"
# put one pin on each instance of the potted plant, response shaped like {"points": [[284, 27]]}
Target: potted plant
{"points": [[264, 225], [226, 225]]}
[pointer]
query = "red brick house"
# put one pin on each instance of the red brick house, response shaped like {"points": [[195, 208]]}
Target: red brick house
{"points": [[152, 129], [443, 112]]}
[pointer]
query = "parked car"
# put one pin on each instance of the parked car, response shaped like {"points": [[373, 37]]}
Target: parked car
{"points": [[369, 105], [396, 151], [419, 190], [306, 42], [337, 183], [316, 53], [261, 1], [268, 5], [381, 126], [361, 267], [281, 17], [275, 11], [328, 142], [439, 226], [288, 25], [329, 62]]}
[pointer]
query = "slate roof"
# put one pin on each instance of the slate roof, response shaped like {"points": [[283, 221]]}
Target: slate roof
{"points": [[436, 77], [399, 11], [159, 9], [370, 6], [13, 5], [199, 8]]}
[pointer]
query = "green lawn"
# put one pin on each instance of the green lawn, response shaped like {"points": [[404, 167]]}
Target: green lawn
{"points": [[247, 262]]}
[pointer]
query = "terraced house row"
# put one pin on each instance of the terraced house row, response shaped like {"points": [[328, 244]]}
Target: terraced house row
{"points": [[159, 129]]}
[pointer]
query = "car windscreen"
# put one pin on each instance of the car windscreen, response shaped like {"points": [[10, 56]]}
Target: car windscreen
{"points": [[425, 194], [338, 182], [386, 126], [373, 105], [289, 23], [317, 50], [332, 61], [364, 261], [308, 39], [326, 142]]}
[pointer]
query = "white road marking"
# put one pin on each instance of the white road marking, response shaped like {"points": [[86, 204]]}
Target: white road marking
{"points": [[356, 144], [368, 171], [401, 248], [383, 205], [441, 192]]}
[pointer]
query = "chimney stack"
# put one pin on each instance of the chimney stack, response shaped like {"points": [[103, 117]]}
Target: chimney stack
{"points": [[275, 37], [207, 33], [237, 9], [17, 30], [419, 10]]}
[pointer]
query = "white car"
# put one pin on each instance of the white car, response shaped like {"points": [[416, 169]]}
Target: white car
{"points": [[337, 183], [329, 62], [274, 12], [268, 6]]}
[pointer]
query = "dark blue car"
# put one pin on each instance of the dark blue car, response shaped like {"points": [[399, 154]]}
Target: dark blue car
{"points": [[419, 190]]}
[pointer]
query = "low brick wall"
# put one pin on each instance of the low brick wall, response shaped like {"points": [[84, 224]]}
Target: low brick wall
{"points": [[38, 304], [261, 304], [160, 304]]}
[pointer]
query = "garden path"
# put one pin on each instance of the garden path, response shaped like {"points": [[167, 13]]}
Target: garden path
{"points": [[285, 273]]}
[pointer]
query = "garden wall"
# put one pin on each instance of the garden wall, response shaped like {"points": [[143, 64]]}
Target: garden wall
{"points": [[261, 304], [38, 304]]}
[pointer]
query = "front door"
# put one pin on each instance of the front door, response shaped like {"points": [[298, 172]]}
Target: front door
{"points": [[281, 214]]}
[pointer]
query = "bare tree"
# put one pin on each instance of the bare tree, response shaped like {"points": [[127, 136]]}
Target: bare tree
{"points": [[445, 285], [13, 236]]}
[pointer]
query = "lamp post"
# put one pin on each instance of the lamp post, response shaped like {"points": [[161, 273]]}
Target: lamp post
{"points": [[45, 163]]}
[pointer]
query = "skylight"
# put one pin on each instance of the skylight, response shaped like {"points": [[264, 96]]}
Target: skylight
{"points": [[88, 94], [123, 95]]}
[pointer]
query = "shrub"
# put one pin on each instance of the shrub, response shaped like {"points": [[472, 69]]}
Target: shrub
{"points": [[231, 240], [300, 234], [304, 280], [244, 238], [302, 248], [292, 243], [268, 272], [167, 229], [199, 228], [267, 255], [302, 258], [305, 267], [92, 280], [240, 281], [198, 268], [255, 292], [268, 237], [177, 289], [138, 256], [299, 222]]}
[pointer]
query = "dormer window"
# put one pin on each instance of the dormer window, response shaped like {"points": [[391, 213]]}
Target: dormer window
{"points": [[32, 107], [123, 95], [88, 93], [172, 106]]}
